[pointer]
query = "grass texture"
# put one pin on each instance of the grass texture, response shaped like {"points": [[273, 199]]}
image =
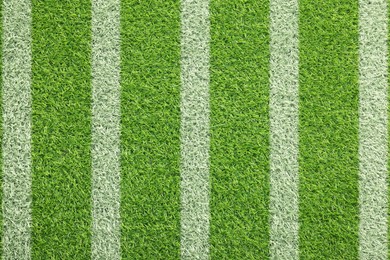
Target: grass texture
{"points": [[1, 128], [284, 135], [388, 118], [150, 134], [150, 129], [195, 130], [328, 129], [373, 127], [105, 149], [17, 129], [239, 152], [61, 129]]}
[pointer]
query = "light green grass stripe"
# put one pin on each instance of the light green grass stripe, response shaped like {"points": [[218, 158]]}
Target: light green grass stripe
{"points": [[373, 32], [1, 128], [105, 129], [195, 129], [284, 130], [17, 129]]}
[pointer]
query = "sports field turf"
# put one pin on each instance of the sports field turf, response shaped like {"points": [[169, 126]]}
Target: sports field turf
{"points": [[194, 129]]}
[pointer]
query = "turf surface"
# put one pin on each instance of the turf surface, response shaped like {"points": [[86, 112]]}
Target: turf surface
{"points": [[239, 129], [1, 129], [150, 135], [61, 135], [328, 129], [388, 113], [150, 129]]}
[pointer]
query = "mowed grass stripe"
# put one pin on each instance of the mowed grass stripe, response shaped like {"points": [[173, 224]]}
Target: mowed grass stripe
{"points": [[61, 129], [239, 155], [373, 129], [328, 158], [388, 130], [150, 134], [284, 179], [16, 145], [195, 139], [1, 127], [106, 129]]}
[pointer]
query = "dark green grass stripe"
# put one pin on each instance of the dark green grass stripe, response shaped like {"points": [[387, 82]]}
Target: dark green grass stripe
{"points": [[61, 129], [150, 134], [328, 129], [239, 129]]}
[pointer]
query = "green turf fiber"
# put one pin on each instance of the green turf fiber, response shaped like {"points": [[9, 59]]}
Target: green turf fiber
{"points": [[1, 129], [388, 113], [328, 129], [150, 129], [61, 136], [239, 129]]}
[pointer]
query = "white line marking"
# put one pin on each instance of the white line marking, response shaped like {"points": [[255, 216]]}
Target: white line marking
{"points": [[195, 28], [106, 129], [17, 129], [284, 179], [373, 133]]}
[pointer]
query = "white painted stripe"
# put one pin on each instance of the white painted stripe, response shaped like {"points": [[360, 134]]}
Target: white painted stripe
{"points": [[106, 129], [284, 179], [195, 129], [16, 129], [373, 133]]}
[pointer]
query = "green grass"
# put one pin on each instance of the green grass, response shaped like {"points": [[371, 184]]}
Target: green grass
{"points": [[328, 129], [388, 113], [150, 185], [61, 137], [150, 129], [239, 129], [1, 130]]}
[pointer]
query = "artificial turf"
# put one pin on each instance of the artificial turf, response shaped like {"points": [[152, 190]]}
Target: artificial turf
{"points": [[328, 108], [1, 129], [150, 129], [61, 134], [388, 113], [239, 152]]}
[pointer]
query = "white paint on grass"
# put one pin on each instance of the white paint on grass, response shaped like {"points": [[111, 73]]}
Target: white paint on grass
{"points": [[284, 177], [16, 144], [373, 133], [195, 129], [106, 129]]}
